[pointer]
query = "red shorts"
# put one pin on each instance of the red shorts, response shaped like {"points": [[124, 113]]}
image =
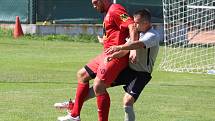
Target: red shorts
{"points": [[107, 72]]}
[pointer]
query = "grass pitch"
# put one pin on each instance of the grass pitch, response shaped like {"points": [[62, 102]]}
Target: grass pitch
{"points": [[35, 74]]}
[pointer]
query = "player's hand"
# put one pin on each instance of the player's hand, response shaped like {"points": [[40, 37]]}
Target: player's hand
{"points": [[107, 59], [133, 56], [100, 39], [112, 49]]}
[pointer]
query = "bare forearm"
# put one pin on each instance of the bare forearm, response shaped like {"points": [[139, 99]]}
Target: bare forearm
{"points": [[132, 46], [133, 32], [120, 54]]}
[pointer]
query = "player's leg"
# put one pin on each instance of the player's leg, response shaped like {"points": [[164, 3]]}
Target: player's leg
{"points": [[128, 102], [106, 74], [124, 78], [81, 92], [103, 99], [83, 76], [133, 90], [121, 80], [69, 104]]}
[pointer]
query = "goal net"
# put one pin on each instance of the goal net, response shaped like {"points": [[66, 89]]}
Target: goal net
{"points": [[189, 36]]}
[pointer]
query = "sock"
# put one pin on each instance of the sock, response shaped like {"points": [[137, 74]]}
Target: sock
{"points": [[91, 94], [81, 94], [129, 113], [103, 103], [71, 104]]}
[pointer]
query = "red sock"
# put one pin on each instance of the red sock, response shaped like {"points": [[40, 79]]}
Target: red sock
{"points": [[103, 103], [71, 105], [81, 94]]}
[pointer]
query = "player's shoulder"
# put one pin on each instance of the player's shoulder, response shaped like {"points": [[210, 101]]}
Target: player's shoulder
{"points": [[114, 7], [152, 33]]}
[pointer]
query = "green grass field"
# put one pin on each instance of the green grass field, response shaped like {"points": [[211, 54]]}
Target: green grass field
{"points": [[34, 74]]}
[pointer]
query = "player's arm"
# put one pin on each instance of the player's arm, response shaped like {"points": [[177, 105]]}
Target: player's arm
{"points": [[118, 54], [133, 32], [126, 23], [100, 39], [133, 37], [147, 41], [131, 46], [127, 46]]}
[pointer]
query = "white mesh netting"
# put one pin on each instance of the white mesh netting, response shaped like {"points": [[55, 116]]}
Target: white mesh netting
{"points": [[189, 36]]}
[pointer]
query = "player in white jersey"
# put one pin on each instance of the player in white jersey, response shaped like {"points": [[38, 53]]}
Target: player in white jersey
{"points": [[138, 74]]}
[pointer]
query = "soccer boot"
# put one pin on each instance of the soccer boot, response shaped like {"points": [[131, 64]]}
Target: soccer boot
{"points": [[65, 105], [69, 118]]}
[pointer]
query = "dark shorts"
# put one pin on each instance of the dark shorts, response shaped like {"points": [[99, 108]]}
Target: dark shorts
{"points": [[133, 81]]}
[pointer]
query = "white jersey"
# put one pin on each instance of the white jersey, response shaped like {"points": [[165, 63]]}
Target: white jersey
{"points": [[146, 56]]}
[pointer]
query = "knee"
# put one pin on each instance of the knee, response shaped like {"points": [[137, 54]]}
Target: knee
{"points": [[83, 76], [128, 100], [99, 87]]}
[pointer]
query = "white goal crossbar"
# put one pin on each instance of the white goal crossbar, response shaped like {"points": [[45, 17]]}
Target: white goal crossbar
{"points": [[201, 7]]}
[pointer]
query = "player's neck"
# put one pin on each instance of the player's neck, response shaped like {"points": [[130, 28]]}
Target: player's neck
{"points": [[107, 6], [147, 28]]}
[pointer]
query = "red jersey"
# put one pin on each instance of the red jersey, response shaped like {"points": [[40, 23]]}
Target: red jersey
{"points": [[115, 26]]}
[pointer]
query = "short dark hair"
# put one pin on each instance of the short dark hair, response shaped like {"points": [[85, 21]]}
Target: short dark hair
{"points": [[144, 13]]}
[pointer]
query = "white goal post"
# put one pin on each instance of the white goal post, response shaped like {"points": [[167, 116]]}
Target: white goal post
{"points": [[189, 36]]}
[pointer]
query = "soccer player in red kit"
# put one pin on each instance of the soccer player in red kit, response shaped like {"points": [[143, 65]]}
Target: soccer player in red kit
{"points": [[117, 27]]}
